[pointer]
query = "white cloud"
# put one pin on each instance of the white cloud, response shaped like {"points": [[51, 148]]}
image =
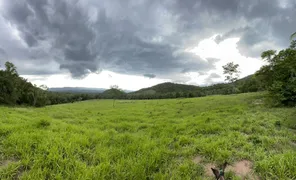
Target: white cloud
{"points": [[103, 80], [226, 51]]}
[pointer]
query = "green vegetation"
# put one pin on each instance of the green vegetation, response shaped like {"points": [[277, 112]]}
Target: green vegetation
{"points": [[279, 76], [172, 90], [293, 36], [147, 139], [113, 93], [231, 72], [15, 90]]}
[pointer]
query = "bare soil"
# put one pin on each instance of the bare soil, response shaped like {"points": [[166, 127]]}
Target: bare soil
{"points": [[5, 163], [242, 168]]}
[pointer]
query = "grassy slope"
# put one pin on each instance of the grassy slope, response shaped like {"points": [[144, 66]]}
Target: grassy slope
{"points": [[154, 139]]}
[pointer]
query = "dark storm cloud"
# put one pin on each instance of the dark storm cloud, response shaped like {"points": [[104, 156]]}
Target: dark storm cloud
{"points": [[56, 27], [267, 24], [237, 32], [135, 37]]}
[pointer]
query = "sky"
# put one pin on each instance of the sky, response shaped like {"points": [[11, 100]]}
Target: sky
{"points": [[140, 43]]}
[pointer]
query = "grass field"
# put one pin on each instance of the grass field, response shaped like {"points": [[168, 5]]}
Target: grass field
{"points": [[147, 139]]}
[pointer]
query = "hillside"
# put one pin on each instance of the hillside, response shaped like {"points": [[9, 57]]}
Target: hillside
{"points": [[167, 88], [155, 139], [170, 90], [113, 93]]}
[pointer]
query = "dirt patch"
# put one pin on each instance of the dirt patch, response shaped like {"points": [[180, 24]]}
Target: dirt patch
{"points": [[208, 169], [243, 168], [197, 159], [5, 163], [208, 166], [20, 170]]}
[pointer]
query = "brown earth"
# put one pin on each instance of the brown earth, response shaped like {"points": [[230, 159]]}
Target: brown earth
{"points": [[243, 168]]}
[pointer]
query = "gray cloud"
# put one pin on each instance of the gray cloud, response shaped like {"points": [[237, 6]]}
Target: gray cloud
{"points": [[267, 24], [135, 37], [209, 79], [214, 75], [237, 32], [2, 52], [149, 75]]}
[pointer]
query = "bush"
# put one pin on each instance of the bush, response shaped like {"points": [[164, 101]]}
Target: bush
{"points": [[43, 123]]}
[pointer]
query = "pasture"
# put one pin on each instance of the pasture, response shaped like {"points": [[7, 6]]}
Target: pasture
{"points": [[148, 139]]}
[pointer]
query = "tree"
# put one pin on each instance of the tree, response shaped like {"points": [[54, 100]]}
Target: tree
{"points": [[8, 84], [293, 36], [10, 68], [231, 72], [17, 90], [279, 75], [268, 55], [114, 87]]}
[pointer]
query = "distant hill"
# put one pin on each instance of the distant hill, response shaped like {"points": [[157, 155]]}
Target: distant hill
{"points": [[113, 93], [171, 90], [244, 79], [80, 90], [167, 87]]}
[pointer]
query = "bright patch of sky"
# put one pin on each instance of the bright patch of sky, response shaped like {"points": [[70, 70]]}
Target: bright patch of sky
{"points": [[226, 51]]}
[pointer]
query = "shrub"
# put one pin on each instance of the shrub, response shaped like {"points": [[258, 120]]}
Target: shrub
{"points": [[43, 123]]}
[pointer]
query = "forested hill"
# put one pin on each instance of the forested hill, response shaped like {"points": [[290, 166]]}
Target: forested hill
{"points": [[167, 87], [246, 84]]}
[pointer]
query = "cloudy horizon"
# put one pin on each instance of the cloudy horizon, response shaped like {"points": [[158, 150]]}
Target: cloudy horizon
{"points": [[140, 43]]}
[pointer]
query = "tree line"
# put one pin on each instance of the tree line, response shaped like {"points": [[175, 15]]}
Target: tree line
{"points": [[278, 77], [16, 90]]}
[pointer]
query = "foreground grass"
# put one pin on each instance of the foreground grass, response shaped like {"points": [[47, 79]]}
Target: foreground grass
{"points": [[154, 139]]}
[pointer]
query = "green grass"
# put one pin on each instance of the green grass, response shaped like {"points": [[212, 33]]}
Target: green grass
{"points": [[154, 139]]}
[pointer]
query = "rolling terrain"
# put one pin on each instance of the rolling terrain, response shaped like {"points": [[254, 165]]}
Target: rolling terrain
{"points": [[148, 139]]}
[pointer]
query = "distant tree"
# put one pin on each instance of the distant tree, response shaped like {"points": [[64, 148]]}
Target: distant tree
{"points": [[251, 84], [43, 87], [39, 95], [10, 68], [231, 72], [268, 56], [114, 87], [293, 44], [293, 36]]}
